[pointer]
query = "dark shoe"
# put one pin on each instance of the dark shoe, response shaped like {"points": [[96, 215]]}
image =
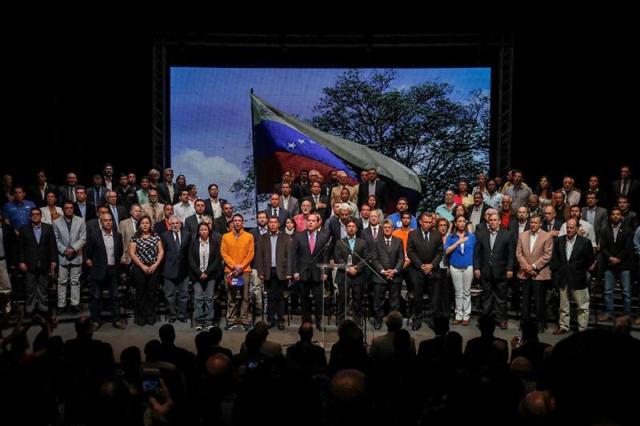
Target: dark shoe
{"points": [[96, 326], [281, 325], [151, 322], [209, 326], [542, 328], [172, 319], [416, 325], [377, 325], [319, 326], [246, 327], [119, 325], [271, 324], [503, 325], [199, 327], [229, 326], [559, 331], [75, 309], [182, 319], [140, 322]]}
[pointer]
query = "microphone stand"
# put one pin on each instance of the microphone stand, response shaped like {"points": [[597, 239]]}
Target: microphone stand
{"points": [[366, 262]]}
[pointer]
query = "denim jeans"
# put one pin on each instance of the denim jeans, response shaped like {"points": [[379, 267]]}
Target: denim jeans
{"points": [[609, 286]]}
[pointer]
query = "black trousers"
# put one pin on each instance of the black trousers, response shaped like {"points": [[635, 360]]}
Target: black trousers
{"points": [[431, 285], [537, 289], [494, 298], [37, 287], [275, 296], [146, 289], [379, 291], [315, 287], [357, 291], [111, 280]]}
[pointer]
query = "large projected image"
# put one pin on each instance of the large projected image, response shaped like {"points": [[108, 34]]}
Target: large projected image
{"points": [[435, 122]]}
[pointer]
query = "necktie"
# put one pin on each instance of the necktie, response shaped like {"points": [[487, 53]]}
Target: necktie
{"points": [[388, 243], [177, 237], [273, 213], [315, 199], [374, 231], [426, 237], [312, 242], [625, 186]]}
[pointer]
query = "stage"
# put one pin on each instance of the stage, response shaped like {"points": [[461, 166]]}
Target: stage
{"points": [[135, 335]]}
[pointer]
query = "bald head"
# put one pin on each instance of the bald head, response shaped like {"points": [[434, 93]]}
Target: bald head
{"points": [[348, 385], [218, 365]]}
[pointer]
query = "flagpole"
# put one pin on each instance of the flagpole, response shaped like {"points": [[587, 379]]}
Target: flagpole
{"points": [[253, 159]]}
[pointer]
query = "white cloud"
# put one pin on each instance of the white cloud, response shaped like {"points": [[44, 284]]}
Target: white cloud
{"points": [[203, 171]]}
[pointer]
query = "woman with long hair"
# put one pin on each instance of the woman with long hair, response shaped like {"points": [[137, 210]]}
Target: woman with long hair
{"points": [[544, 191], [146, 252], [51, 211], [459, 247], [372, 201]]}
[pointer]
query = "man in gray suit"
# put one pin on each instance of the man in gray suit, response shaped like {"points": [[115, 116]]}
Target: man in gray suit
{"points": [[71, 236], [594, 214], [287, 201]]}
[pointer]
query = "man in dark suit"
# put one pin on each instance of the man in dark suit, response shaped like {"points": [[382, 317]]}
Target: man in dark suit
{"points": [[493, 264], [37, 256], [82, 207], [626, 186], [373, 186], [103, 252], [319, 202], [571, 259], [168, 191], [213, 204], [388, 262], [272, 257], [191, 223], [352, 252], [551, 223], [67, 191], [97, 191], [616, 247], [425, 250], [221, 224], [287, 201], [176, 244], [38, 192], [164, 225], [118, 212], [274, 210], [308, 249], [477, 210]]}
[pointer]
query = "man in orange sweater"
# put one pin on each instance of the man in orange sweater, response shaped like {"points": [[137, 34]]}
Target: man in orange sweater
{"points": [[237, 250]]}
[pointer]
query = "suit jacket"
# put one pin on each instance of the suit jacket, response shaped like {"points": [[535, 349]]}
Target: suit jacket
{"points": [[175, 259], [388, 258], [96, 251], [324, 213], [633, 191], [493, 264], [95, 194], [220, 225], [191, 224], [540, 256], [37, 197], [599, 222], [156, 212], [622, 248], [127, 231], [421, 252], [90, 211], [572, 272], [302, 261], [163, 193], [214, 265], [75, 240], [335, 229], [208, 210], [256, 237], [359, 260], [555, 226], [64, 193], [282, 214], [122, 215], [160, 227], [263, 255], [293, 208], [381, 193], [37, 256]]}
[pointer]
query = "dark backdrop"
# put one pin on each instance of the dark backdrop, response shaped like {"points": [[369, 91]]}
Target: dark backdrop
{"points": [[81, 95]]}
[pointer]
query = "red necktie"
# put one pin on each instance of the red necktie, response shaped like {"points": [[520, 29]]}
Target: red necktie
{"points": [[312, 242]]}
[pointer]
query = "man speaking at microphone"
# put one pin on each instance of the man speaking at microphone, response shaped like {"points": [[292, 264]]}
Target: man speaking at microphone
{"points": [[352, 252], [309, 248]]}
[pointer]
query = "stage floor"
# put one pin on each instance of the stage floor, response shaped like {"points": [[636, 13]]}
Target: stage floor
{"points": [[135, 335]]}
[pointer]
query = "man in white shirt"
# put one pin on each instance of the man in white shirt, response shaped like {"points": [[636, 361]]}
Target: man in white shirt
{"points": [[584, 228], [184, 208]]}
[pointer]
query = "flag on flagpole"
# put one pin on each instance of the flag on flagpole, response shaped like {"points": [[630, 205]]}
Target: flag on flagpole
{"points": [[282, 142]]}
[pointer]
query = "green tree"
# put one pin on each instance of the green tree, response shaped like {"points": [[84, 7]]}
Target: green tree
{"points": [[421, 126]]}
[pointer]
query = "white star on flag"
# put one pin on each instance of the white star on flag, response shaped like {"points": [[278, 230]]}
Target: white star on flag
{"points": [[310, 141], [300, 140], [291, 145]]}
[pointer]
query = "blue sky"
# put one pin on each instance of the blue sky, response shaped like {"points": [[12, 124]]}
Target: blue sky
{"points": [[211, 116]]}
